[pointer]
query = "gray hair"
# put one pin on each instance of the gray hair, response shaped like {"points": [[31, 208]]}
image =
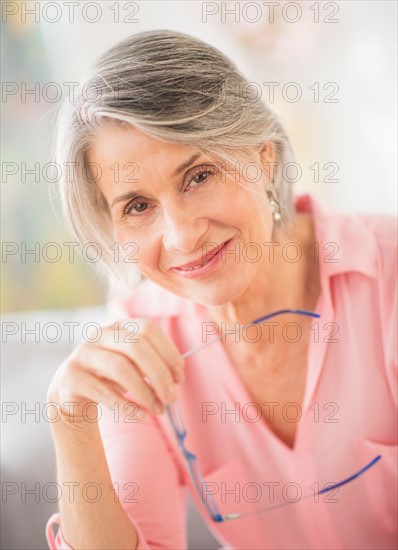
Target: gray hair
{"points": [[173, 87]]}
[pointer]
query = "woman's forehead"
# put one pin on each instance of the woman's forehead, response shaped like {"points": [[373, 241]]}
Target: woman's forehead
{"points": [[128, 142]]}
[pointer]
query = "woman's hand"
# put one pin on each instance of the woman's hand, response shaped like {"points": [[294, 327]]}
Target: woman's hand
{"points": [[133, 356]]}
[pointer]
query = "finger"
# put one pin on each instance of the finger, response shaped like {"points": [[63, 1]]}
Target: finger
{"points": [[147, 359], [124, 406], [82, 391], [166, 349], [126, 333], [118, 368]]}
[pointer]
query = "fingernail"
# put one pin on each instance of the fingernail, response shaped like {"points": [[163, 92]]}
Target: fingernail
{"points": [[179, 374], [171, 392]]}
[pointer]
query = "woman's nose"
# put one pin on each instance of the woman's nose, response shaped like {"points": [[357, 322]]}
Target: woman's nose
{"points": [[183, 229]]}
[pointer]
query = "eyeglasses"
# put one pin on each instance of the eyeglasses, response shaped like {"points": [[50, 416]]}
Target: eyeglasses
{"points": [[192, 462]]}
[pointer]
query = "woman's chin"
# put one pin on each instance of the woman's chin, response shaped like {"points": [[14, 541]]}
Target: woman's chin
{"points": [[216, 296], [214, 293]]}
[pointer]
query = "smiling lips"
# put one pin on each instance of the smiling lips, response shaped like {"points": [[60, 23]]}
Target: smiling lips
{"points": [[197, 264]]}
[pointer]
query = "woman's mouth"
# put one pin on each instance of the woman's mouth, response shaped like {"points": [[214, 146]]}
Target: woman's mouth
{"points": [[200, 267]]}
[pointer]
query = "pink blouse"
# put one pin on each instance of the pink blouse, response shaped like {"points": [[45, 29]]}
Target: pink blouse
{"points": [[348, 416]]}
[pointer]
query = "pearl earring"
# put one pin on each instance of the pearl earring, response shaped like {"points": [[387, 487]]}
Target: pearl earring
{"points": [[274, 207], [275, 210]]}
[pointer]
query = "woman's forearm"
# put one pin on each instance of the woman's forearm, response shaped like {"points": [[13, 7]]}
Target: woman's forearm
{"points": [[92, 517]]}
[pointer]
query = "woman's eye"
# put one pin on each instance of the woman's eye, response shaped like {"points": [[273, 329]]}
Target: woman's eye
{"points": [[201, 177], [137, 207]]}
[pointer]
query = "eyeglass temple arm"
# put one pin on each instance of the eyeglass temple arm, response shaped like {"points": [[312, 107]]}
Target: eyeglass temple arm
{"points": [[332, 487], [255, 322]]}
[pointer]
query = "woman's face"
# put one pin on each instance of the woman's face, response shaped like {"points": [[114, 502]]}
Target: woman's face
{"points": [[170, 207]]}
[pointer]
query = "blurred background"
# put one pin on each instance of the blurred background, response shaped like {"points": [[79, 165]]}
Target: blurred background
{"points": [[333, 65]]}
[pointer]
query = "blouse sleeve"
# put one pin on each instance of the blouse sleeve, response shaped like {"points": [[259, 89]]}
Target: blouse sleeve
{"points": [[148, 483], [56, 541]]}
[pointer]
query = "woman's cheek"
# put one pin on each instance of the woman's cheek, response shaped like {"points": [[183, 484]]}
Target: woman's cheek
{"points": [[143, 248], [123, 235]]}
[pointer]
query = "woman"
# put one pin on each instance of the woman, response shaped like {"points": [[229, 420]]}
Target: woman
{"points": [[178, 173]]}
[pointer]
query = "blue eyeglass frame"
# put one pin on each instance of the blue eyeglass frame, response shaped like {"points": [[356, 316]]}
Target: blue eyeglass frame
{"points": [[191, 460]]}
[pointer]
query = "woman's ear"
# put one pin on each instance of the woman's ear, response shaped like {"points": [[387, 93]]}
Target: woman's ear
{"points": [[268, 164]]}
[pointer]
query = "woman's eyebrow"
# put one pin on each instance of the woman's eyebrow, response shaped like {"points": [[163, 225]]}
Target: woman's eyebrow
{"points": [[132, 194], [186, 164], [127, 196]]}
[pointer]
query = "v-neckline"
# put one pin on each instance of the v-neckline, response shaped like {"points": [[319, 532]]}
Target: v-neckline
{"points": [[315, 359], [245, 396]]}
